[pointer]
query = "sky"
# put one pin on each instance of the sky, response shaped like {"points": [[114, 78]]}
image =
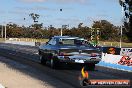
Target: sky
{"points": [[73, 12]]}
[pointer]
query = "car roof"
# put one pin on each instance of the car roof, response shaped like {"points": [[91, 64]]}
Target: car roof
{"points": [[65, 37]]}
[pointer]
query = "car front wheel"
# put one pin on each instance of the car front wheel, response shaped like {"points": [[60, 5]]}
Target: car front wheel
{"points": [[52, 63], [42, 59], [91, 66]]}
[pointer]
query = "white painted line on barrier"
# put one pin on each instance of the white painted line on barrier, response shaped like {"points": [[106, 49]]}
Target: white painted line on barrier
{"points": [[1, 86]]}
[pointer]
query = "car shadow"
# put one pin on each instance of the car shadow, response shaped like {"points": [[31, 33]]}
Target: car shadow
{"points": [[32, 72], [76, 67]]}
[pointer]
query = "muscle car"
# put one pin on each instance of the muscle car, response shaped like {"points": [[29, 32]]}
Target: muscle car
{"points": [[66, 49]]}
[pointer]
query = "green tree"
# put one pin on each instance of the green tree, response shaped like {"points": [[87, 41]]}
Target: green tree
{"points": [[35, 18], [127, 5], [37, 26], [107, 31], [80, 25]]}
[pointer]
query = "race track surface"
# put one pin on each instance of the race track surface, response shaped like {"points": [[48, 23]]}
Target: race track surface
{"points": [[68, 74]]}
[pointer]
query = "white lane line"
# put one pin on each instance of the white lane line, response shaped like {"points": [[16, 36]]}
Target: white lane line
{"points": [[1, 86]]}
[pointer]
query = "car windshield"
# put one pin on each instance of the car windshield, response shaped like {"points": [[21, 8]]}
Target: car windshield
{"points": [[80, 42], [67, 41]]}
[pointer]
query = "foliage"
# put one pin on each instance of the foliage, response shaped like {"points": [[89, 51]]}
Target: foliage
{"points": [[107, 31], [127, 5], [35, 18]]}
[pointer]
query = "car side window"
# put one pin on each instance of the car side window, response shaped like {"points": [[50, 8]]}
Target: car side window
{"points": [[52, 42]]}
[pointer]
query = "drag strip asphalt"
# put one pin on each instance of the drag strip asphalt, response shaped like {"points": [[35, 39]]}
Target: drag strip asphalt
{"points": [[68, 75]]}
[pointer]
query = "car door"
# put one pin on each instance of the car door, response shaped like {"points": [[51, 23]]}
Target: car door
{"points": [[50, 47]]}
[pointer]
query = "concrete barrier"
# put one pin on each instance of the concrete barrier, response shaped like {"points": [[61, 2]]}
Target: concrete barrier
{"points": [[117, 59], [1, 86], [110, 58], [21, 42]]}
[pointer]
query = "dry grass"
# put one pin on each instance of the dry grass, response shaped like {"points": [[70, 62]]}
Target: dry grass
{"points": [[116, 44], [102, 43], [1, 39], [33, 40], [26, 39]]}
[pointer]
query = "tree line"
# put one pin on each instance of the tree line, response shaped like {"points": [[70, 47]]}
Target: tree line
{"points": [[107, 31], [102, 29], [127, 19]]}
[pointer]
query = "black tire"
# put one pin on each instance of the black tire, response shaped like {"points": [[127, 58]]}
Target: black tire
{"points": [[42, 60], [53, 64], [91, 67]]}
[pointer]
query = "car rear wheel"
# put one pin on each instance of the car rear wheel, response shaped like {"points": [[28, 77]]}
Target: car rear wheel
{"points": [[42, 59], [91, 67]]}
